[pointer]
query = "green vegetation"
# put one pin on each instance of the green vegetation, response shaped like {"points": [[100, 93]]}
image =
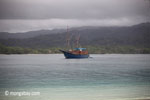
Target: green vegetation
{"points": [[91, 49], [20, 50], [118, 50]]}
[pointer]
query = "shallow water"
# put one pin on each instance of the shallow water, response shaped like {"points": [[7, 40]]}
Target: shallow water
{"points": [[102, 77]]}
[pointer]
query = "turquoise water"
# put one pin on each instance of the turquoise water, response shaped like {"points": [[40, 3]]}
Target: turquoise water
{"points": [[102, 77]]}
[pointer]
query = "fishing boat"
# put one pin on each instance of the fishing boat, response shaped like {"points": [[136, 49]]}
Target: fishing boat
{"points": [[75, 53]]}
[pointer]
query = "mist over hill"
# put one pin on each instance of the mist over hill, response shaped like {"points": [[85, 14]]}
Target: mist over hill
{"points": [[30, 34], [137, 35]]}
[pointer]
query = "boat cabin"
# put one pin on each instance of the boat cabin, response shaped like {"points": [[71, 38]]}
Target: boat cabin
{"points": [[80, 51]]}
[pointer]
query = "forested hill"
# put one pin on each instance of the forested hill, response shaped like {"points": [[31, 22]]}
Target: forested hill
{"points": [[137, 35]]}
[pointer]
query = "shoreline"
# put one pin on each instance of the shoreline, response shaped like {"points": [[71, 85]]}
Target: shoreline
{"points": [[90, 54]]}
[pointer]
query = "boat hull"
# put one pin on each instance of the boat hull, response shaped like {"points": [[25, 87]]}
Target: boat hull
{"points": [[76, 56]]}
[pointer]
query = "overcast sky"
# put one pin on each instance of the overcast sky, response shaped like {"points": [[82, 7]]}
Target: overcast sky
{"points": [[27, 15]]}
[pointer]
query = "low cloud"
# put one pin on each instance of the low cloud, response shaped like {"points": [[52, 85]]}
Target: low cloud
{"points": [[14, 26]]}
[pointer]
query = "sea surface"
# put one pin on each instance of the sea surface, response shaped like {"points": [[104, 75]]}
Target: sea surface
{"points": [[52, 77]]}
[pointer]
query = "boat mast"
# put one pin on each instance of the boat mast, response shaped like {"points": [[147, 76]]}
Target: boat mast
{"points": [[77, 41], [68, 39]]}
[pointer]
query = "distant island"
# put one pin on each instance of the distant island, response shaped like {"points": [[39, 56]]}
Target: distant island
{"points": [[98, 40]]}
